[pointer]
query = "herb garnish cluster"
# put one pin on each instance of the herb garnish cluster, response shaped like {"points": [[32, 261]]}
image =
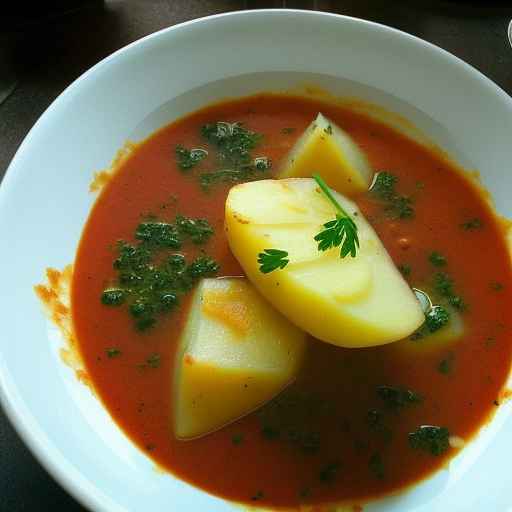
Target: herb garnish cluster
{"points": [[233, 145], [151, 275]]}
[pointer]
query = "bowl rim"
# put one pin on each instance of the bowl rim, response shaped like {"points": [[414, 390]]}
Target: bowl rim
{"points": [[11, 401]]}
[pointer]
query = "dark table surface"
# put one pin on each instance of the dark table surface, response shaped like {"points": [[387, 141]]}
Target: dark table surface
{"points": [[51, 49]]}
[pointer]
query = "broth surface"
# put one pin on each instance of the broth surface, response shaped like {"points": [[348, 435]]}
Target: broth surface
{"points": [[329, 436]]}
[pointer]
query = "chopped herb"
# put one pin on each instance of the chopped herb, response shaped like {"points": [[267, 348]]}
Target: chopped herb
{"points": [[287, 131], [431, 439], [159, 234], [295, 418], [304, 492], [420, 185], [258, 495], [272, 259], [376, 466], [471, 224], [436, 318], [113, 297], [405, 270], [153, 361], [437, 259], [445, 367], [238, 175], [237, 439], [199, 230], [497, 286], [329, 471], [150, 279], [383, 188], [270, 433], [328, 130], [189, 158], [489, 342], [396, 398], [234, 144], [443, 284], [340, 231], [112, 352], [374, 419], [233, 141]]}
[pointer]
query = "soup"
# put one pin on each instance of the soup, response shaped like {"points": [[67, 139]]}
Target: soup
{"points": [[356, 423]]}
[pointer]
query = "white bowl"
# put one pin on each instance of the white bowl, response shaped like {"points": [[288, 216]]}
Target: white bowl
{"points": [[44, 204]]}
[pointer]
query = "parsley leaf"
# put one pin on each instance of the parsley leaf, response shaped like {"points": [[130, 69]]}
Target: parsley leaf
{"points": [[340, 231], [272, 259]]}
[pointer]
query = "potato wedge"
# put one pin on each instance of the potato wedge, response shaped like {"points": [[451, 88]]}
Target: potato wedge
{"points": [[350, 302], [327, 150], [236, 352]]}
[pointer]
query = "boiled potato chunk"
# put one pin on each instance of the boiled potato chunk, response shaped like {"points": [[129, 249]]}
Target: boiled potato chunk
{"points": [[350, 302], [327, 150], [236, 352]]}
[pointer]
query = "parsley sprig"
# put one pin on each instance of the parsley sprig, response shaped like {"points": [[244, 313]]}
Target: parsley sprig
{"points": [[340, 231], [272, 259]]}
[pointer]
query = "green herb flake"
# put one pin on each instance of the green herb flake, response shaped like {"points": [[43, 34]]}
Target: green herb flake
{"points": [[497, 286], [270, 433], [443, 285], [234, 145], [198, 230], [189, 158], [304, 492], [397, 397], [258, 495], [112, 352], [445, 366], [396, 205], [436, 318], [472, 224], [287, 131], [237, 439], [329, 472], [328, 130], [405, 270], [437, 259], [272, 259], [376, 466], [341, 231], [432, 439]]}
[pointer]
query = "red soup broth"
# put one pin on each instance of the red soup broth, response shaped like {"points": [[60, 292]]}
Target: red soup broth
{"points": [[340, 441]]}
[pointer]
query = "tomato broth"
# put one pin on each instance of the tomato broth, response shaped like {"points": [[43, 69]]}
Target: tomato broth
{"points": [[342, 430]]}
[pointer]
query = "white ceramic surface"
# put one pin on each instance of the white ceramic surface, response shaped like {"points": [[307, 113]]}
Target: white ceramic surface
{"points": [[44, 203]]}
